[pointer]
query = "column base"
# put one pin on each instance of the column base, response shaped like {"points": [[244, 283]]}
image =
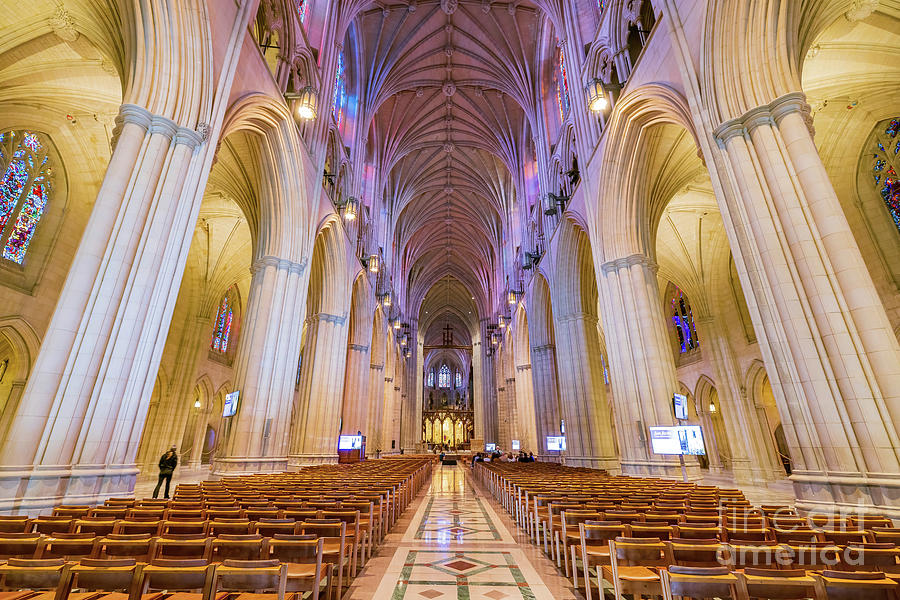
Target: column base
{"points": [[746, 473], [34, 489], [667, 469], [877, 493], [301, 460], [249, 464]]}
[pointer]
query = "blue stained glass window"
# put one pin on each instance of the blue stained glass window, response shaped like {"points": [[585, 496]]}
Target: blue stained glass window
{"points": [[458, 379], [429, 379], [25, 185], [222, 330], [444, 377], [683, 320], [884, 168], [340, 90]]}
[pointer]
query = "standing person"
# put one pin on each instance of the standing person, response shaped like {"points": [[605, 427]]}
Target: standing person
{"points": [[167, 464]]}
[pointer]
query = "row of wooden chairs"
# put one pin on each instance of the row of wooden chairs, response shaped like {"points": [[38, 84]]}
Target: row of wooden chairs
{"points": [[127, 579]]}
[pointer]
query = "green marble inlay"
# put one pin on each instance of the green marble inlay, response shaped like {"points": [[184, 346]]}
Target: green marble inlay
{"points": [[462, 581]]}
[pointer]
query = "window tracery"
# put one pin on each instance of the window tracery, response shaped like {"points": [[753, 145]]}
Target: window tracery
{"points": [[429, 378], [562, 86], [884, 169], [340, 90], [444, 376], [24, 190], [683, 320], [458, 379], [222, 330], [302, 9]]}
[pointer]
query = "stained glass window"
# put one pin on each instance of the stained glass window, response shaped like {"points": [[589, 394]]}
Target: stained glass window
{"points": [[429, 379], [458, 379], [562, 86], [683, 319], [223, 326], [340, 90], [444, 377], [25, 185], [601, 4], [302, 8], [884, 168]]}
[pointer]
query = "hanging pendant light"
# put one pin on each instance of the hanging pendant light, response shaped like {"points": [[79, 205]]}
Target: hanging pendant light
{"points": [[307, 103], [597, 100]]}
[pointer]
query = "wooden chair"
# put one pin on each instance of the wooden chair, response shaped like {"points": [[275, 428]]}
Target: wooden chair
{"points": [[70, 546], [845, 585], [768, 556], [269, 527], [73, 511], [26, 577], [183, 547], [14, 524], [117, 577], [570, 535], [133, 526], [305, 570], [48, 525], [238, 526], [740, 535], [96, 525], [778, 584], [696, 552], [698, 531], [635, 564], [336, 550], [813, 557], [237, 547], [183, 527], [593, 549], [108, 512], [19, 545], [250, 577], [366, 523], [188, 579], [700, 582], [795, 536], [138, 546], [351, 519], [885, 534], [872, 557]]}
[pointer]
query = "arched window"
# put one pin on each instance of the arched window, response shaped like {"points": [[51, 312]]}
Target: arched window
{"points": [[562, 85], [25, 187], [340, 90], [444, 377], [458, 379], [222, 329], [683, 319], [429, 378], [601, 4], [302, 8], [884, 169]]}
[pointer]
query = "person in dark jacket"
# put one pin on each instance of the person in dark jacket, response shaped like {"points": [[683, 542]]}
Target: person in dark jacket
{"points": [[167, 464]]}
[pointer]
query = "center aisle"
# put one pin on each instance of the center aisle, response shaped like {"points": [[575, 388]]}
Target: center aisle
{"points": [[456, 547]]}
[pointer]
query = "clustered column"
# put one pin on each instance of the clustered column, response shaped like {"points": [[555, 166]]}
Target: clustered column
{"points": [[830, 354], [546, 400]]}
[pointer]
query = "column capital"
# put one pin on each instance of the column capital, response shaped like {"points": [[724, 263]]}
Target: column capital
{"points": [[143, 118], [628, 262], [524, 367], [357, 348], [279, 263], [767, 114], [544, 348], [579, 316], [329, 318], [376, 367]]}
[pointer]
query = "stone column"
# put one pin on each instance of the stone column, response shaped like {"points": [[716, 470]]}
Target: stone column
{"points": [[546, 396], [258, 436], [525, 408], [753, 458], [829, 351], [321, 390], [642, 368], [375, 431], [582, 394], [200, 424], [488, 388], [478, 367], [356, 391], [81, 414]]}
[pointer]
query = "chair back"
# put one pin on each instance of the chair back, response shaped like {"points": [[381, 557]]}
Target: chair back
{"points": [[237, 547], [19, 545], [251, 576], [34, 574], [99, 574], [779, 584], [66, 545], [699, 582], [117, 545]]}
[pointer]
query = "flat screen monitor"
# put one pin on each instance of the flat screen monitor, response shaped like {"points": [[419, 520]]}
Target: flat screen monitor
{"points": [[683, 439], [516, 445], [556, 443], [679, 402], [350, 442], [231, 404], [490, 447]]}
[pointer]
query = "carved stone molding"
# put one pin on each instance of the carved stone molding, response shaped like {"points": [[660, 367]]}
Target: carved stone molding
{"points": [[628, 262], [768, 114], [281, 264], [358, 348]]}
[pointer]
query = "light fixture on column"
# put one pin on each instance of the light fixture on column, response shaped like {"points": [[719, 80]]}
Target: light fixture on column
{"points": [[501, 321], [712, 407], [598, 94], [397, 323], [406, 353], [372, 263], [513, 296], [307, 102], [386, 299], [197, 403], [350, 208], [403, 339]]}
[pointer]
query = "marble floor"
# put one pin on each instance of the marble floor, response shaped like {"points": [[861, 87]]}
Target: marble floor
{"points": [[455, 543]]}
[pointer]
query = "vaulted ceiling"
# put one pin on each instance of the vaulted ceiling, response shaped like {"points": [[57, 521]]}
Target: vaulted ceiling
{"points": [[448, 97]]}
